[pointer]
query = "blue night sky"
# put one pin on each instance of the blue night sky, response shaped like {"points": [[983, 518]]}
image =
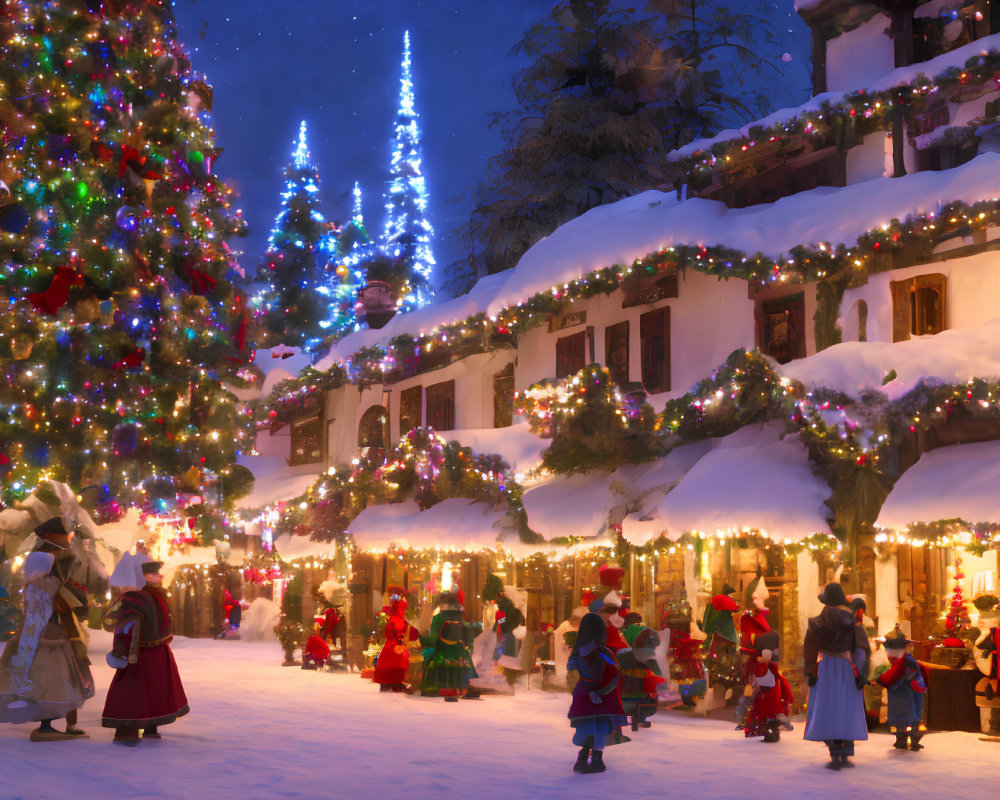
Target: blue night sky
{"points": [[335, 63]]}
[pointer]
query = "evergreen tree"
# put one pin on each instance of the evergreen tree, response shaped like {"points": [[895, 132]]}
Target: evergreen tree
{"points": [[345, 252], [119, 321], [408, 232], [292, 271], [606, 94]]}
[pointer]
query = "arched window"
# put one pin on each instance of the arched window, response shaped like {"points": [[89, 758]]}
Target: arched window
{"points": [[371, 430], [856, 323]]}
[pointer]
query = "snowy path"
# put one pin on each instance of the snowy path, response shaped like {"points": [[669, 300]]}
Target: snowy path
{"points": [[258, 730]]}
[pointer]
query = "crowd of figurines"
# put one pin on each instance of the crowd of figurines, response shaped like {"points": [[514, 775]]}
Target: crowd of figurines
{"points": [[620, 671], [45, 674]]}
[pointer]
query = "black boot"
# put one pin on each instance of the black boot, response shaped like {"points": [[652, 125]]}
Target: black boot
{"points": [[596, 762], [844, 763], [900, 740], [581, 760], [915, 741]]}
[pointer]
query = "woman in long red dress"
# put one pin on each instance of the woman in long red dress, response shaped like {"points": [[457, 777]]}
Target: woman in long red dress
{"points": [[146, 691]]}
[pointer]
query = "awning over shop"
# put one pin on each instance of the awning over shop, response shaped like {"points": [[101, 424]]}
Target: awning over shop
{"points": [[573, 505], [453, 524], [749, 480], [957, 482]]}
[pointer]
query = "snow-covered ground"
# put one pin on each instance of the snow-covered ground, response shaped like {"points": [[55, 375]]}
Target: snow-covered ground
{"points": [[258, 730]]}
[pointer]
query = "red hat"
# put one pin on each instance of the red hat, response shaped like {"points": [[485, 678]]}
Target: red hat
{"points": [[611, 575]]}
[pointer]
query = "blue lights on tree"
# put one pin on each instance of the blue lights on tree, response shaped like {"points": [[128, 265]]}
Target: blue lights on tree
{"points": [[408, 233]]}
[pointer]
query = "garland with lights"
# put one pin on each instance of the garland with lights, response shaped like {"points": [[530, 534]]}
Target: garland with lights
{"points": [[591, 423], [846, 121], [423, 466]]}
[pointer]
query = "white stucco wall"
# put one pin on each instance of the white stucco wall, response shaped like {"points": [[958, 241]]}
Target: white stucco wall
{"points": [[709, 320], [866, 161], [971, 292], [856, 57]]}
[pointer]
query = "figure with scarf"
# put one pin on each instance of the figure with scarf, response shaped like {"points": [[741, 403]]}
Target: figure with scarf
{"points": [[146, 691], [836, 666], [596, 712], [906, 682], [44, 669], [393, 664]]}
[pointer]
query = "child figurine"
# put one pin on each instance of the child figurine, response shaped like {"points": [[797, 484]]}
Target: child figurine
{"points": [[771, 692], [596, 711], [641, 675], [906, 682]]}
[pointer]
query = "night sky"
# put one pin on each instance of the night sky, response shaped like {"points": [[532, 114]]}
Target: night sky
{"points": [[335, 63]]}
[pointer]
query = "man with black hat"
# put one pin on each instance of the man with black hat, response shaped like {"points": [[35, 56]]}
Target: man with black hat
{"points": [[59, 668], [146, 691], [906, 681], [834, 664]]}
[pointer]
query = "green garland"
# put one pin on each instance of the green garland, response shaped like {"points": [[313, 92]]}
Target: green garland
{"points": [[423, 466]]}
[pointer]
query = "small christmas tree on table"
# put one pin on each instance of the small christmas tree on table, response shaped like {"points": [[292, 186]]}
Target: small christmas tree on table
{"points": [[957, 621]]}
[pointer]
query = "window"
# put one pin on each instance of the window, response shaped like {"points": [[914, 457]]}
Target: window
{"points": [[918, 306], [781, 327], [410, 409], [654, 345], [307, 445], [570, 354], [503, 397], [372, 428], [616, 352], [441, 406]]}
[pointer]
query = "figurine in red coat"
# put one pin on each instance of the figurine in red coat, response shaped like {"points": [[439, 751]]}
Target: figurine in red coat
{"points": [[146, 691], [393, 664], [772, 693]]}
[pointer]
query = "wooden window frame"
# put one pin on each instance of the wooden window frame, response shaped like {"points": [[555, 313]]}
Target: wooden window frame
{"points": [[411, 409], [616, 345], [503, 397], [571, 354], [440, 405], [648, 340], [766, 308], [910, 313]]}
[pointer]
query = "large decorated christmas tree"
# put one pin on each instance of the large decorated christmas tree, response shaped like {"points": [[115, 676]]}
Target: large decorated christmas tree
{"points": [[118, 318], [293, 268]]}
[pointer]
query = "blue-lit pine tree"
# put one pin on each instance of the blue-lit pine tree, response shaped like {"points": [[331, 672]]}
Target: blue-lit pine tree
{"points": [[292, 272], [408, 232], [345, 252]]}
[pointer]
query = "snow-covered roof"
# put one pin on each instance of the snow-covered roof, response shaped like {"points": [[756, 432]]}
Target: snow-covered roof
{"points": [[952, 356], [633, 228], [453, 524], [517, 445], [570, 505], [630, 229], [961, 481], [899, 76], [749, 480]]}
